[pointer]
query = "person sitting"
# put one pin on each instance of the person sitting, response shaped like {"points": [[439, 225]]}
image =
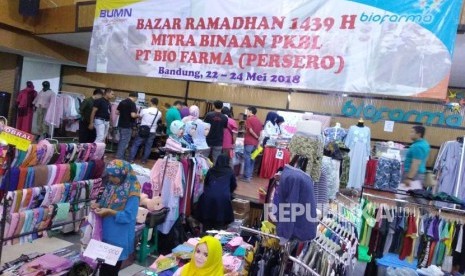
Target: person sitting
{"points": [[220, 183]]}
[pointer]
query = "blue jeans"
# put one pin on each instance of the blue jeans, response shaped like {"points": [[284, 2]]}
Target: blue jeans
{"points": [[147, 148], [124, 138], [248, 162]]}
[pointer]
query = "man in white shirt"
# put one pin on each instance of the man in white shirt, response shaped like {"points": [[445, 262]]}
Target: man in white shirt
{"points": [[149, 117]]}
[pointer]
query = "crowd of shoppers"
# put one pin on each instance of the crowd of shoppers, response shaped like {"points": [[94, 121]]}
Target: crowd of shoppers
{"points": [[212, 136]]}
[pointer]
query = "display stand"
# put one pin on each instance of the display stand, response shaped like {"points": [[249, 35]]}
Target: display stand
{"points": [[6, 203], [99, 265]]}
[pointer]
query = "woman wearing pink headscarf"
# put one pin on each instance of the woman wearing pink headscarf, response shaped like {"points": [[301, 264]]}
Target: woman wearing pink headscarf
{"points": [[194, 113]]}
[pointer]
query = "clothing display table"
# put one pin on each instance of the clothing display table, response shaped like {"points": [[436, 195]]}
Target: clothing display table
{"points": [[272, 161]]}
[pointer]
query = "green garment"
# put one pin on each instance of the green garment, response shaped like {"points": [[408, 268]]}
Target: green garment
{"points": [[312, 149], [86, 109], [172, 115]]}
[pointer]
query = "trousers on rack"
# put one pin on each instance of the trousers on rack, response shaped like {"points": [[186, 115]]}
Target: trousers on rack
{"points": [[388, 174]]}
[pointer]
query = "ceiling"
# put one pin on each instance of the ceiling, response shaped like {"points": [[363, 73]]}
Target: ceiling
{"points": [[457, 79]]}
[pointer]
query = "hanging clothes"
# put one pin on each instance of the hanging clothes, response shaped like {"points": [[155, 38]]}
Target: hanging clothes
{"points": [[25, 106], [358, 141], [448, 165], [333, 134], [310, 147], [388, 174], [296, 187]]}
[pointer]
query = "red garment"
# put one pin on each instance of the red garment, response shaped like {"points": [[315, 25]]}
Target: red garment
{"points": [[270, 164], [407, 246], [25, 109], [370, 175], [254, 123]]}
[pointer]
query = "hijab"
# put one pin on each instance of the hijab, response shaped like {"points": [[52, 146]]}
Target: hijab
{"points": [[214, 264], [175, 127], [194, 113], [122, 184], [200, 139], [221, 167], [271, 116]]}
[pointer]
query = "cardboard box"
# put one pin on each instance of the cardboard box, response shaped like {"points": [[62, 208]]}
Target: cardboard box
{"points": [[241, 216], [241, 206]]}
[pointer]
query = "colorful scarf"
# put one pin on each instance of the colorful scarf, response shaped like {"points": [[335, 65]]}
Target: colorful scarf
{"points": [[122, 184]]}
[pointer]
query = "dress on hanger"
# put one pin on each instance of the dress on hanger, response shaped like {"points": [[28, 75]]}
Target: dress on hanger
{"points": [[358, 141]]}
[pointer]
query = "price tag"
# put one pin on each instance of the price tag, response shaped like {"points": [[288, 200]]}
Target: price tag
{"points": [[279, 154], [20, 139], [109, 253]]}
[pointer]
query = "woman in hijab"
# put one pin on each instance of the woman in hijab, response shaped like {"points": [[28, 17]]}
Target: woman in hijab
{"points": [[270, 128], [220, 183], [118, 208], [206, 259], [194, 113]]}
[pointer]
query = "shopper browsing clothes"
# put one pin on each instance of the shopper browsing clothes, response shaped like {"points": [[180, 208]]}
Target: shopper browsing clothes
{"points": [[118, 207], [127, 112], [149, 117], [218, 122], [100, 116], [229, 133], [220, 183], [253, 127], [85, 134], [415, 161], [42, 103]]}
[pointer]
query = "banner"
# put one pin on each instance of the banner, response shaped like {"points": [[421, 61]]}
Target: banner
{"points": [[397, 47]]}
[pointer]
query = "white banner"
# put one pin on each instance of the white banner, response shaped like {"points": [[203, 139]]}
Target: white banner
{"points": [[397, 47]]}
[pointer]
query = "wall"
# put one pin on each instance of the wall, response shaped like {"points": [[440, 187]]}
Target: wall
{"points": [[38, 71], [77, 80], [9, 67]]}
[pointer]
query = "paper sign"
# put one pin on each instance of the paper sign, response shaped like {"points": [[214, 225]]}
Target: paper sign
{"points": [[279, 154], [389, 126], [16, 137], [109, 253]]}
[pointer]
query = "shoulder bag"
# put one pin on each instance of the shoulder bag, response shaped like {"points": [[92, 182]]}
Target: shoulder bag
{"points": [[144, 131]]}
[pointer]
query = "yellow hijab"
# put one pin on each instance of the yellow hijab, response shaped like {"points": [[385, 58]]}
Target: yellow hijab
{"points": [[214, 264]]}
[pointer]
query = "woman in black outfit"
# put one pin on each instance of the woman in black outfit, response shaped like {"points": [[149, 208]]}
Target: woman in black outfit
{"points": [[214, 209]]}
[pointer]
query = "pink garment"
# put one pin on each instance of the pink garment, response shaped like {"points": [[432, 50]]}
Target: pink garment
{"points": [[55, 111], [113, 115], [43, 99], [173, 173], [173, 145], [99, 152], [45, 263], [228, 134], [25, 109]]}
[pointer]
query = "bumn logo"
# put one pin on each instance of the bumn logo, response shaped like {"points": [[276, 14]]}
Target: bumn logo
{"points": [[116, 13]]}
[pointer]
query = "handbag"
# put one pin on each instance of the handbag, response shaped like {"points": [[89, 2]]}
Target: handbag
{"points": [[430, 179], [144, 131]]}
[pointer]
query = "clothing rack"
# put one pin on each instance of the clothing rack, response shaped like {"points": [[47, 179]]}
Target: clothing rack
{"points": [[9, 159], [404, 193], [446, 209], [286, 250]]}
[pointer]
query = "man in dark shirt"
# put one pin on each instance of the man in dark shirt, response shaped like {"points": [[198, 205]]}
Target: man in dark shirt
{"points": [[100, 116], [218, 122], [127, 118], [85, 134]]}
